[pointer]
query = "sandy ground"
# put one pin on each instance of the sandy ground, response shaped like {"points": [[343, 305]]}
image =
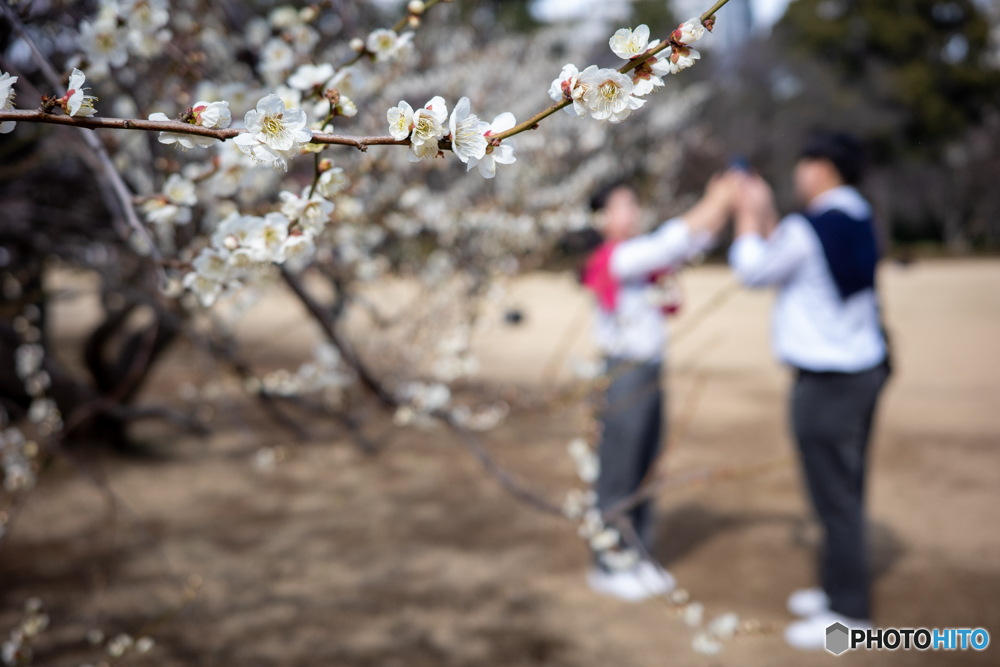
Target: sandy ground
{"points": [[414, 557]]}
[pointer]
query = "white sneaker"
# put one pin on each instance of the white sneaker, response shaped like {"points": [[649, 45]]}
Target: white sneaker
{"points": [[656, 580], [810, 634], [622, 585], [808, 602]]}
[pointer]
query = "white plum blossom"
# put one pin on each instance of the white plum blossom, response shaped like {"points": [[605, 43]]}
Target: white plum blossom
{"points": [[310, 212], [232, 232], [400, 119], [266, 238], [212, 114], [608, 94], [297, 250], [145, 16], [467, 140], [628, 44], [386, 45], [179, 190], [7, 94], [331, 182], [78, 103], [428, 128], [502, 154], [690, 31], [185, 140], [212, 263], [274, 134], [643, 85], [275, 58], [284, 17], [566, 84], [308, 77], [105, 44], [345, 107], [172, 208], [303, 38], [292, 97], [673, 60], [206, 289]]}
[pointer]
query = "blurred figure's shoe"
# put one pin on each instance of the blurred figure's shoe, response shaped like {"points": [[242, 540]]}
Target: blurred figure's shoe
{"points": [[623, 585], [655, 579], [808, 602], [810, 634]]}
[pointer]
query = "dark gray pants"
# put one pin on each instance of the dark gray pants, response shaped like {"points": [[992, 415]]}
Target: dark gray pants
{"points": [[832, 417], [632, 424]]}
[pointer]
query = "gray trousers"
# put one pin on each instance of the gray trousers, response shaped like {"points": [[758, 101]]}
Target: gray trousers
{"points": [[632, 425], [832, 418]]}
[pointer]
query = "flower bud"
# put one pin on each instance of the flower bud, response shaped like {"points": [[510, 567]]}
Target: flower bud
{"points": [[416, 7], [414, 21], [358, 44], [307, 14], [326, 164]]}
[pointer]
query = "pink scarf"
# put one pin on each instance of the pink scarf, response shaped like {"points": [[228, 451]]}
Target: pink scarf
{"points": [[598, 279]]}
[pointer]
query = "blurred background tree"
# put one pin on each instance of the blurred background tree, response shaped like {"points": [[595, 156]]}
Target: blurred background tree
{"points": [[918, 80]]}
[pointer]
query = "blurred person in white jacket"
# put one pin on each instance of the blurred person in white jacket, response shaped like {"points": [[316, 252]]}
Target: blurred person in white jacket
{"points": [[826, 326]]}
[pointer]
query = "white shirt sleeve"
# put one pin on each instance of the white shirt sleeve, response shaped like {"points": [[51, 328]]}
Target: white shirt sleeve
{"points": [[759, 263], [669, 246]]}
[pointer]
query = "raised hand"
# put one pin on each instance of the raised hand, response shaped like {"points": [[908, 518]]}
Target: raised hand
{"points": [[754, 206]]}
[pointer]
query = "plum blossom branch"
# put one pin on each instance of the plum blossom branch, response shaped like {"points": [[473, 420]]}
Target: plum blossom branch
{"points": [[707, 19], [359, 142], [174, 126]]}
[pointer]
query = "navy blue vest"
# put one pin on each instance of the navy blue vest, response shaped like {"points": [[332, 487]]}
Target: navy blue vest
{"points": [[850, 249]]}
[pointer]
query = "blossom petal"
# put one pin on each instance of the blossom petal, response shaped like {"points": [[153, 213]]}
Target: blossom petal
{"points": [[76, 79], [270, 104], [503, 122]]}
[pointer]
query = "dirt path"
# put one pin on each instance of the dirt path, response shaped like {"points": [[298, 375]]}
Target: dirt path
{"points": [[416, 558]]}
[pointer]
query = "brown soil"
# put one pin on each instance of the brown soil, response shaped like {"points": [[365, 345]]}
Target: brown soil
{"points": [[414, 557]]}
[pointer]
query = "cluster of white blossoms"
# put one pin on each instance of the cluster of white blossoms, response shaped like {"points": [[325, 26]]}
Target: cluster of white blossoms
{"points": [[122, 27], [29, 357], [245, 245], [588, 465], [470, 137], [17, 461], [281, 39], [581, 506], [607, 94], [418, 400], [325, 371], [17, 649], [274, 134], [719, 629], [212, 115]]}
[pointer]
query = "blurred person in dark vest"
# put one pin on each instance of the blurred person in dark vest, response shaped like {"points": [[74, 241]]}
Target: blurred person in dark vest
{"points": [[631, 275], [826, 326]]}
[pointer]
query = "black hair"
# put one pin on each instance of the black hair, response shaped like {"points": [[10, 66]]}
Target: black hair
{"points": [[844, 150], [600, 197]]}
